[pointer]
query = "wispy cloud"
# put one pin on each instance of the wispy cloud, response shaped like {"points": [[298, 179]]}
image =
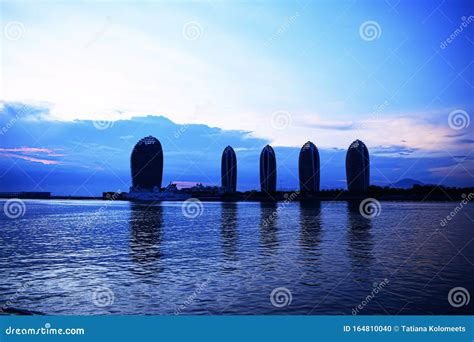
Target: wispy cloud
{"points": [[392, 150], [31, 159], [33, 150], [463, 169], [33, 154]]}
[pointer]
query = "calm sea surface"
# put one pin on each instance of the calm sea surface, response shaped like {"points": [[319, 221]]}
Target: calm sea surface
{"points": [[98, 257]]}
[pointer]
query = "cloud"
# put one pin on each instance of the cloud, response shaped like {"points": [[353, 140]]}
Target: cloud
{"points": [[33, 150], [410, 134], [81, 153], [334, 126], [392, 150], [32, 110], [31, 159], [457, 135], [463, 170], [32, 154]]}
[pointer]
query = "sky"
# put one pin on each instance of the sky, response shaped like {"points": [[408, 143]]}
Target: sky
{"points": [[398, 75]]}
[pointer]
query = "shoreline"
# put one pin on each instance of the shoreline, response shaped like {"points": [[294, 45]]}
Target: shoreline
{"points": [[415, 194]]}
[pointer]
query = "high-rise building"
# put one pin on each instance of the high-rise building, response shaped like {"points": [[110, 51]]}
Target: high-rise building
{"points": [[146, 163], [357, 167], [268, 170], [229, 170], [308, 168]]}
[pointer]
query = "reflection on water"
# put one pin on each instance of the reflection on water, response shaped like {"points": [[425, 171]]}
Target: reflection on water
{"points": [[360, 242], [145, 237], [229, 230], [268, 227], [310, 234], [310, 225], [229, 259]]}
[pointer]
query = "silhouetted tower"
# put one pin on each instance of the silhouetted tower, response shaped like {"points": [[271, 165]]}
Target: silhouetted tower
{"points": [[146, 163], [357, 167], [268, 170], [229, 170], [308, 167]]}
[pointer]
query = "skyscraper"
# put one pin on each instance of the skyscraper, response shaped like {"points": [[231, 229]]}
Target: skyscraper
{"points": [[146, 163], [357, 167], [268, 170], [308, 167], [229, 170]]}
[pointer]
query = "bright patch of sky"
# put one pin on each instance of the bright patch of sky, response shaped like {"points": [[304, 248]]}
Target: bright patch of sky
{"points": [[233, 65]]}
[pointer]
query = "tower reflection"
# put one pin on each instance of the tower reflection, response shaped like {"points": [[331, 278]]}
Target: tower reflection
{"points": [[229, 230], [268, 226], [145, 236], [310, 225], [310, 239], [360, 240]]}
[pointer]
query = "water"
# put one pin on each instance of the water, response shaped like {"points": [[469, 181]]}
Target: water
{"points": [[96, 257]]}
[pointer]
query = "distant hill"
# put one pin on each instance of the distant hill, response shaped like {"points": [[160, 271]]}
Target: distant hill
{"points": [[406, 183]]}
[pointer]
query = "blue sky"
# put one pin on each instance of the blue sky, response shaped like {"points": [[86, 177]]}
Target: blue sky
{"points": [[266, 72]]}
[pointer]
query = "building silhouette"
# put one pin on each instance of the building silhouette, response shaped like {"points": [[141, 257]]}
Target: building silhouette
{"points": [[146, 164], [268, 170], [308, 168], [229, 170], [357, 167]]}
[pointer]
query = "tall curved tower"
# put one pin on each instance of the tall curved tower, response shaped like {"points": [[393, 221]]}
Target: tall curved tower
{"points": [[229, 170], [268, 170], [146, 163], [308, 168], [357, 167]]}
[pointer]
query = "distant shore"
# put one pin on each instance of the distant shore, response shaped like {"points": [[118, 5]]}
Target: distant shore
{"points": [[416, 193]]}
